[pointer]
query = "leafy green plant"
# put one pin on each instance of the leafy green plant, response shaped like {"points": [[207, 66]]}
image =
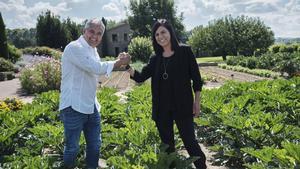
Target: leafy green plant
{"points": [[14, 53], [140, 48], [6, 65], [250, 123]]}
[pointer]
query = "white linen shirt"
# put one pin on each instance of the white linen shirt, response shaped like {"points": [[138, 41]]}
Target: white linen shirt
{"points": [[81, 67]]}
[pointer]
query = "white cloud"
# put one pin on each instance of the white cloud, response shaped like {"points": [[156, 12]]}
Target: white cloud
{"points": [[3, 6], [78, 1], [188, 7], [293, 6], [116, 9], [111, 7], [18, 14]]}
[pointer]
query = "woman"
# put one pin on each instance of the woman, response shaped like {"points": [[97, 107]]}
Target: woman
{"points": [[171, 70]]}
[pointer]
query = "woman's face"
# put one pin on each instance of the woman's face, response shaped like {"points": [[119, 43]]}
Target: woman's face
{"points": [[163, 37]]}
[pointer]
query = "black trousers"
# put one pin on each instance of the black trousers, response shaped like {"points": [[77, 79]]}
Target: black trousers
{"points": [[186, 130]]}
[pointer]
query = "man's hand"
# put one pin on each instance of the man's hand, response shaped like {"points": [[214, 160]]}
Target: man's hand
{"points": [[123, 60]]}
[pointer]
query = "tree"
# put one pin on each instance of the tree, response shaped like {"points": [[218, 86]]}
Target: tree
{"points": [[110, 24], [199, 41], [103, 43], [51, 32], [22, 38], [234, 36], [3, 40], [146, 12], [73, 28]]}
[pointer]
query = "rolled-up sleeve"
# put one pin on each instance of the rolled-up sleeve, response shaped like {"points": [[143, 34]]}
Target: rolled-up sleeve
{"points": [[81, 58], [110, 67]]}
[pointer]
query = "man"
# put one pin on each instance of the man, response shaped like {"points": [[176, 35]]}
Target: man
{"points": [[81, 67]]}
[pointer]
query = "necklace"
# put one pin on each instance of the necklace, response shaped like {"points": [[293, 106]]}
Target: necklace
{"points": [[165, 74]]}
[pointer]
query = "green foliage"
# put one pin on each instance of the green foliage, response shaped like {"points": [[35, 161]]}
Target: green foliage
{"points": [[258, 72], [43, 51], [290, 48], [254, 124], [6, 65], [140, 48], [274, 48], [72, 28], [41, 77], [33, 136], [22, 37], [281, 62], [3, 40], [199, 41], [145, 12], [288, 63], [51, 32], [50, 98], [231, 36], [14, 53]]}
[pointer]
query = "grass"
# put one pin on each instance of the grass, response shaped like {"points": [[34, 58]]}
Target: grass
{"points": [[217, 59]]}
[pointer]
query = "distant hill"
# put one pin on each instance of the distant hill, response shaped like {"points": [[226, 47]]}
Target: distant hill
{"points": [[287, 40]]}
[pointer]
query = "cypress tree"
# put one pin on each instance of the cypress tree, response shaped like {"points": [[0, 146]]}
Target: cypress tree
{"points": [[3, 40]]}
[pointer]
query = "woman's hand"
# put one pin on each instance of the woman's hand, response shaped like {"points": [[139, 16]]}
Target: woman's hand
{"points": [[196, 109], [197, 103]]}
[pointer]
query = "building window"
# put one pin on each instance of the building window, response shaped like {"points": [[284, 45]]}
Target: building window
{"points": [[125, 49], [117, 51], [125, 37], [114, 37]]}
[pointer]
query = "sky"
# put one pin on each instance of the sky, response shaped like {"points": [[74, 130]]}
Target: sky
{"points": [[282, 16]]}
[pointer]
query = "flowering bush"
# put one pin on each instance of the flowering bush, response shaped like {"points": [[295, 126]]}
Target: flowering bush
{"points": [[42, 76], [11, 104]]}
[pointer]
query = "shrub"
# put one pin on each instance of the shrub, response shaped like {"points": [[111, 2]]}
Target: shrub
{"points": [[275, 48], [286, 48], [10, 76], [14, 53], [289, 63], [234, 60], [140, 48], [6, 75], [41, 77], [6, 65]]}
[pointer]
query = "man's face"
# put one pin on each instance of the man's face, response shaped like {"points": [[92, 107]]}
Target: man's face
{"points": [[93, 35]]}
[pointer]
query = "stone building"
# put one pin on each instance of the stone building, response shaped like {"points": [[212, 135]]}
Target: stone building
{"points": [[116, 40]]}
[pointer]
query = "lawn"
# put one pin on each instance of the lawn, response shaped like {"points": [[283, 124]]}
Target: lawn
{"points": [[210, 59]]}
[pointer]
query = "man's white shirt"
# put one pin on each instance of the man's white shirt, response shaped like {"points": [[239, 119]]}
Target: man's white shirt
{"points": [[81, 67]]}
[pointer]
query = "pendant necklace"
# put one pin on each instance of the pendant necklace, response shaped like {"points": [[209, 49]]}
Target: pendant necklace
{"points": [[165, 74]]}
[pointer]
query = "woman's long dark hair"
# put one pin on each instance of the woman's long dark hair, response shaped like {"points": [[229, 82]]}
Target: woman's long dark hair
{"points": [[174, 42]]}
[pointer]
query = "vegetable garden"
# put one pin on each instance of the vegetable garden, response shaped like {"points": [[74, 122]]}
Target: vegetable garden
{"points": [[249, 125]]}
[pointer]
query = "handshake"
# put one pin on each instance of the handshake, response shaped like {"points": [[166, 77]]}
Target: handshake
{"points": [[122, 63]]}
